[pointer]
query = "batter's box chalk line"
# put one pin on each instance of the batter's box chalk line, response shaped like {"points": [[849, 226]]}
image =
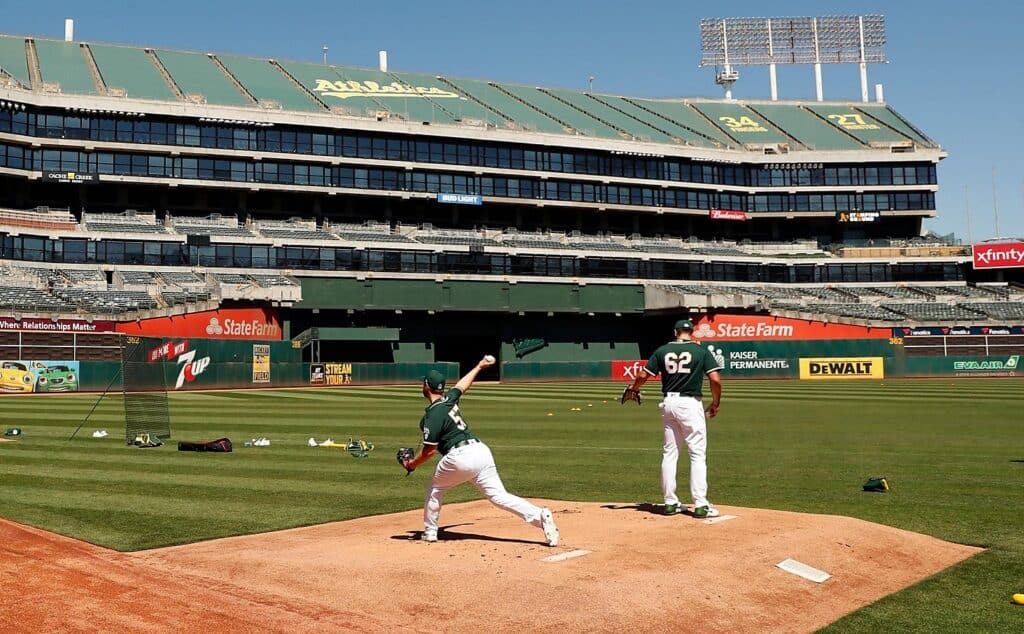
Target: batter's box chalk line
{"points": [[803, 570], [572, 554], [720, 518]]}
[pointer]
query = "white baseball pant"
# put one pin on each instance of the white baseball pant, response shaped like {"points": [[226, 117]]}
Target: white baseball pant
{"points": [[683, 420], [473, 462]]}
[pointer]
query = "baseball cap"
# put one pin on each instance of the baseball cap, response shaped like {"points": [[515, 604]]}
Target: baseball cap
{"points": [[684, 324], [434, 380]]}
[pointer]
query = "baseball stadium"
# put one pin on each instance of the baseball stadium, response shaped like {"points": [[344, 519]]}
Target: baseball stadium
{"points": [[262, 260]]}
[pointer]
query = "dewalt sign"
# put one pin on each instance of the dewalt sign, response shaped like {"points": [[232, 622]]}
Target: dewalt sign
{"points": [[843, 368]]}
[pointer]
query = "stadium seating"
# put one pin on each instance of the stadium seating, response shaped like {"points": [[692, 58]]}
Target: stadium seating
{"points": [[935, 311], [1010, 311], [523, 116], [63, 64], [106, 302], [212, 225], [198, 76], [572, 118], [130, 221], [181, 278], [453, 237], [806, 128], [130, 69], [267, 84]]}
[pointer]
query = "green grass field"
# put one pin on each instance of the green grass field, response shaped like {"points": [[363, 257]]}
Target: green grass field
{"points": [[953, 452]]}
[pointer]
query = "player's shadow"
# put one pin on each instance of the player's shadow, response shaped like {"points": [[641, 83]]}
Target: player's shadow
{"points": [[445, 534], [643, 507], [1020, 461]]}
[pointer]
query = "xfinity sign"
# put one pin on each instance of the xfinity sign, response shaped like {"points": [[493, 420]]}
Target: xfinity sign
{"points": [[1002, 255]]}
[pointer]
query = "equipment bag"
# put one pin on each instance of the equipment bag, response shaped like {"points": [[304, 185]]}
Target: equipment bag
{"points": [[221, 445]]}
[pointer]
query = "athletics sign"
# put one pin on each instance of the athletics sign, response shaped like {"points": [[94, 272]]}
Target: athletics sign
{"points": [[1002, 255]]}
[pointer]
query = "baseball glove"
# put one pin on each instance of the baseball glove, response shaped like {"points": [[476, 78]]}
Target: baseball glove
{"points": [[629, 394], [404, 457]]}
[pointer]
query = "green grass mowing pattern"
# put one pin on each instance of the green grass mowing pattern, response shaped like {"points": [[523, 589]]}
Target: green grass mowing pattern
{"points": [[953, 452]]}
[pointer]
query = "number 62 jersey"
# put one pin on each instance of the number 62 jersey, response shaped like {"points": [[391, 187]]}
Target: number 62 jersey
{"points": [[442, 424], [682, 365]]}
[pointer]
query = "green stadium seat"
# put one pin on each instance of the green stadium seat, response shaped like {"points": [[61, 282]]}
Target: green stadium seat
{"points": [[685, 116], [578, 121], [891, 118], [13, 60], [132, 70], [265, 82], [617, 119], [64, 63], [863, 127], [363, 90], [741, 123], [672, 128], [522, 115], [196, 74], [806, 127], [462, 108]]}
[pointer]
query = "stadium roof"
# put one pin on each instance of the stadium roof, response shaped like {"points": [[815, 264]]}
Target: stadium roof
{"points": [[137, 76]]}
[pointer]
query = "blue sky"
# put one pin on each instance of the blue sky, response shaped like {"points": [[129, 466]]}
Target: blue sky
{"points": [[950, 66]]}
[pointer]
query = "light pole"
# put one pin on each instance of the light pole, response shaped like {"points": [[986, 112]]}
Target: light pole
{"points": [[325, 54], [590, 84]]}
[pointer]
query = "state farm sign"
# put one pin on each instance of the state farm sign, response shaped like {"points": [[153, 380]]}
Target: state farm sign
{"points": [[227, 323], [768, 328], [998, 256]]}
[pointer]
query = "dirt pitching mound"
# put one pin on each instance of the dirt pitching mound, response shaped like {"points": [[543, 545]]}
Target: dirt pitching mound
{"points": [[489, 571]]}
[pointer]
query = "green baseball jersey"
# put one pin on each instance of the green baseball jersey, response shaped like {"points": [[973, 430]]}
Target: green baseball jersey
{"points": [[442, 424], [682, 366]]}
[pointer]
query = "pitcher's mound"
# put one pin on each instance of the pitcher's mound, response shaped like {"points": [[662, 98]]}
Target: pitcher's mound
{"points": [[620, 567]]}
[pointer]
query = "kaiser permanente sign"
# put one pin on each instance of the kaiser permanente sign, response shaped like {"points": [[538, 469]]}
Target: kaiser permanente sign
{"points": [[1002, 255]]}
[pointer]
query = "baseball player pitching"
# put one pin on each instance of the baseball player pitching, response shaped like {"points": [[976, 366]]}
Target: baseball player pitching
{"points": [[683, 364], [464, 457]]}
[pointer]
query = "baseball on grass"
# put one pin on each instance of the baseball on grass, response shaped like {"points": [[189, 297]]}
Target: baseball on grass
{"points": [[489, 358]]}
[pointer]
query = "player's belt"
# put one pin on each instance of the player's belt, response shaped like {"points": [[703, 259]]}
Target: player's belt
{"points": [[463, 443], [677, 395]]}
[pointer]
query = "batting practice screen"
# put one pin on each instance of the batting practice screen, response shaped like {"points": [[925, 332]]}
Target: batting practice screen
{"points": [[146, 408]]}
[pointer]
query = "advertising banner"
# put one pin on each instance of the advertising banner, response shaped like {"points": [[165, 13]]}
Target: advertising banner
{"points": [[226, 323], [38, 376], [728, 214], [938, 331], [260, 363], [460, 199], [1001, 255], [831, 368], [317, 374], [337, 373], [58, 325], [74, 178], [627, 370], [769, 328]]}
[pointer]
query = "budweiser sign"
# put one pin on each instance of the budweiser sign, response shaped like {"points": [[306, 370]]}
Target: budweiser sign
{"points": [[728, 214], [998, 256]]}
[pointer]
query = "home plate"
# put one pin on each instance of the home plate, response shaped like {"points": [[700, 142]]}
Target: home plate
{"points": [[803, 570], [720, 518], [572, 554]]}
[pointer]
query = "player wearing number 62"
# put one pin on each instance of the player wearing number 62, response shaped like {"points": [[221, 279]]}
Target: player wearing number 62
{"points": [[683, 364], [464, 457]]}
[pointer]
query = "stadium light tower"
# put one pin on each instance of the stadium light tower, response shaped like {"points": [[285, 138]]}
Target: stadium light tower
{"points": [[838, 39]]}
